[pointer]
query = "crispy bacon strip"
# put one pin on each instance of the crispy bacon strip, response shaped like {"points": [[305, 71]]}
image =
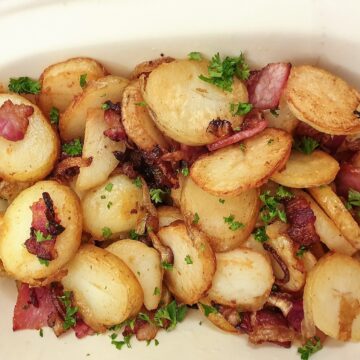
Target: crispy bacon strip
{"points": [[14, 120], [265, 86], [112, 117], [253, 124], [302, 220]]}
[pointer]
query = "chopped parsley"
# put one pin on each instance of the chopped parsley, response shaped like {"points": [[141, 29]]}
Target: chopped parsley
{"points": [[83, 80], [109, 187], [270, 141], [103, 197], [260, 234], [240, 108], [72, 148], [233, 225], [283, 193], [208, 309], [195, 55], [156, 195], [41, 332], [221, 72], [133, 235], [40, 237], [43, 262], [119, 344], [302, 249], [137, 182], [221, 201], [167, 266], [185, 171], [242, 147], [171, 312], [70, 311], [141, 103], [275, 112], [311, 346], [353, 198], [54, 115], [188, 260], [24, 85], [156, 291], [196, 218], [109, 204], [105, 106], [306, 145], [106, 232]]}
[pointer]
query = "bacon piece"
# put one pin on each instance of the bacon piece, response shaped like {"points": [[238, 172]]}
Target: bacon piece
{"points": [[220, 128], [82, 329], [253, 124], [142, 329], [347, 178], [265, 86], [70, 167], [34, 309], [14, 120], [302, 220], [230, 314], [296, 315], [112, 117]]}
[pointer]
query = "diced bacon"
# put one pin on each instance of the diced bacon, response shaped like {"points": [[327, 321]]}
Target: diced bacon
{"points": [[296, 315], [82, 329], [142, 329], [112, 117], [220, 128], [39, 219], [14, 120], [266, 85]]}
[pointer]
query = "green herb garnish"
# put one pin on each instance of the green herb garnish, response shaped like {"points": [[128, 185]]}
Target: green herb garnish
{"points": [[306, 145], [195, 55], [133, 235], [156, 195], [40, 237], [221, 201], [196, 218], [141, 103], [41, 333], [109, 187], [353, 198], [70, 311], [24, 85], [260, 234], [188, 260], [167, 266], [54, 115], [302, 249], [138, 182], [72, 148], [83, 80], [311, 346], [106, 232], [105, 106], [43, 262], [185, 171], [233, 225], [208, 309], [240, 108], [275, 112], [172, 312], [156, 291]]}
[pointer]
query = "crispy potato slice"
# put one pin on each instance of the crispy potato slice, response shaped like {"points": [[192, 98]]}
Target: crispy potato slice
{"points": [[329, 234], [60, 82], [182, 105], [304, 171], [235, 169], [18, 262], [33, 157], [105, 289], [145, 263], [138, 124], [323, 100], [333, 288], [212, 211], [243, 279], [10, 190], [146, 67], [168, 215], [115, 209], [100, 148], [72, 121], [338, 213], [194, 262], [282, 118]]}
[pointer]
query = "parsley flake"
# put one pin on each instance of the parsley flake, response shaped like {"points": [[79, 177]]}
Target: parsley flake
{"points": [[24, 85], [109, 187], [188, 260], [167, 266], [40, 237], [106, 232], [196, 218], [141, 103], [221, 201], [195, 55], [83, 80], [105, 106], [260, 234], [275, 112], [171, 312], [72, 148], [54, 115], [311, 346], [70, 311], [302, 249], [242, 147], [208, 309], [43, 262], [240, 108], [109, 204], [156, 195], [133, 235], [156, 291], [138, 182], [41, 333], [233, 225], [306, 145], [185, 171], [119, 344], [353, 198]]}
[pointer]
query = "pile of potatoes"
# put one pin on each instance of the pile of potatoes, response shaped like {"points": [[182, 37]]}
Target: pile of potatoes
{"points": [[162, 102]]}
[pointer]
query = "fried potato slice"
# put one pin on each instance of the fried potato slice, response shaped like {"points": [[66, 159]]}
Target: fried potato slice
{"points": [[212, 212], [15, 230], [182, 105], [33, 157], [105, 289], [323, 100], [100, 149], [194, 262], [337, 212], [235, 169], [304, 171], [168, 215], [243, 279], [73, 120], [332, 287], [145, 264], [329, 234], [60, 82], [146, 67], [138, 124], [112, 208]]}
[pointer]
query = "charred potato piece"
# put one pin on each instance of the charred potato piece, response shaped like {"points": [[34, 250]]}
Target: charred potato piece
{"points": [[33, 157], [105, 290], [18, 262], [194, 262], [235, 169]]}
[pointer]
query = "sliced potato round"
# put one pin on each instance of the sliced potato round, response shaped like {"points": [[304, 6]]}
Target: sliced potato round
{"points": [[72, 121], [100, 149], [105, 290], [112, 208], [323, 100], [168, 215], [182, 105], [60, 82], [338, 213], [332, 297], [243, 279], [235, 169], [329, 234], [138, 124], [212, 211], [18, 262], [304, 171], [33, 157], [194, 262], [145, 263]]}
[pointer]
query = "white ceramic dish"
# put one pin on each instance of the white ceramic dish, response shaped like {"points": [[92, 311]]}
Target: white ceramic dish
{"points": [[122, 33]]}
